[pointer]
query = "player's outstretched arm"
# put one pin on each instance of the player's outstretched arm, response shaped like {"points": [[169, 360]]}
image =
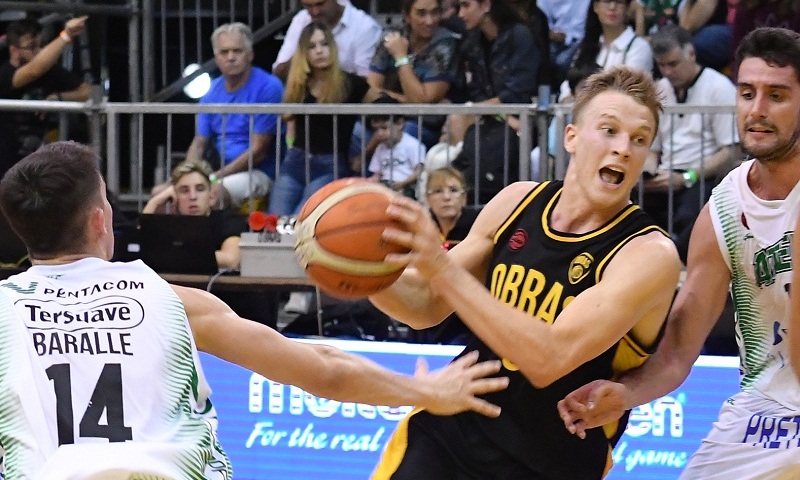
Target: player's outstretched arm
{"points": [[330, 373], [696, 309], [794, 324]]}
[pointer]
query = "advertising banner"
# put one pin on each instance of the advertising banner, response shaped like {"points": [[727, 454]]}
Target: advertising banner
{"points": [[277, 432]]}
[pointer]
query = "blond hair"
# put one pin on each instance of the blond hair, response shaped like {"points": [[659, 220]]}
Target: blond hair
{"points": [[335, 85], [191, 166], [629, 81]]}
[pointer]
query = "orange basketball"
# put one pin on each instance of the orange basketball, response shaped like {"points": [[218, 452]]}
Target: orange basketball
{"points": [[339, 238]]}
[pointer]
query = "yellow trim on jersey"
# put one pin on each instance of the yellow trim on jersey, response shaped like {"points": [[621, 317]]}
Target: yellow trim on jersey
{"points": [[579, 238], [394, 451], [525, 202], [602, 264]]}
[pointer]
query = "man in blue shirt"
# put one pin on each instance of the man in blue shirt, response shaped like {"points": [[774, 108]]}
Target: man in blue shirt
{"points": [[240, 82]]}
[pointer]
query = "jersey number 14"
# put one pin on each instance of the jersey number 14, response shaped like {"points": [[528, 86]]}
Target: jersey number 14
{"points": [[107, 396]]}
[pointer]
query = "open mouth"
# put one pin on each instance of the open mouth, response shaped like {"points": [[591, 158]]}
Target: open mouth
{"points": [[760, 130], [609, 175]]}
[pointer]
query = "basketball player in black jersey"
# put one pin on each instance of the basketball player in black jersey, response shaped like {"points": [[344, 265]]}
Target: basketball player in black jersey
{"points": [[564, 282]]}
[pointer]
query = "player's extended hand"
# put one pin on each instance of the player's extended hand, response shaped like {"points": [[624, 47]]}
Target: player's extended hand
{"points": [[455, 386], [419, 235], [592, 405]]}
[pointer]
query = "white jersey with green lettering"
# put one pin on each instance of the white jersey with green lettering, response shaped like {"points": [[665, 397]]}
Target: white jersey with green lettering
{"points": [[100, 378], [755, 237]]}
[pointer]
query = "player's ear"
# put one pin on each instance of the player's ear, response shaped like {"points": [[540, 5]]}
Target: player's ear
{"points": [[97, 222], [570, 138]]}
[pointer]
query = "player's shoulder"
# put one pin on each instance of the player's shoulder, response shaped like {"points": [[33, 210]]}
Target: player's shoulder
{"points": [[503, 205]]}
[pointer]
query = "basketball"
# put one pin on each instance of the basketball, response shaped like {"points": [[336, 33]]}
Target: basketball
{"points": [[339, 238]]}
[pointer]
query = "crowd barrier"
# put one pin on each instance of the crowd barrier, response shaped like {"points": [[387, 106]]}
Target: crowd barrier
{"points": [[163, 129], [274, 432]]}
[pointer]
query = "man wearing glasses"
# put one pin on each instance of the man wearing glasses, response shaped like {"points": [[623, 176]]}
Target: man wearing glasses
{"points": [[32, 73]]}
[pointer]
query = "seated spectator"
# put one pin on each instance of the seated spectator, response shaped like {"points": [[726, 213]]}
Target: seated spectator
{"points": [[712, 36], [694, 150], [240, 83], [32, 73], [447, 198], [534, 17], [357, 35], [499, 62], [190, 193], [609, 41], [416, 65], [312, 161], [398, 156]]}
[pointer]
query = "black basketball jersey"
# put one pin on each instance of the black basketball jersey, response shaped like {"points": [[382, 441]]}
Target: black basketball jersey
{"points": [[539, 270]]}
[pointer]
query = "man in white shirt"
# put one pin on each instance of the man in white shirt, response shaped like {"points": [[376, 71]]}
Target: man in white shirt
{"points": [[356, 33], [694, 150]]}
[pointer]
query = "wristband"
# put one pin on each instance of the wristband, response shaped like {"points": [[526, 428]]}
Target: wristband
{"points": [[404, 60], [689, 178], [65, 36], [212, 178]]}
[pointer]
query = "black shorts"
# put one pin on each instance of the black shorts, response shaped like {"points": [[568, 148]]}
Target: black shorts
{"points": [[440, 448]]}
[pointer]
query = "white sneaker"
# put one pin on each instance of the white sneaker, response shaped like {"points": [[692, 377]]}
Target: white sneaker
{"points": [[298, 302]]}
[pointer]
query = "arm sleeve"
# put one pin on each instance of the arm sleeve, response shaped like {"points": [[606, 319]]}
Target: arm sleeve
{"points": [[365, 49], [291, 38]]}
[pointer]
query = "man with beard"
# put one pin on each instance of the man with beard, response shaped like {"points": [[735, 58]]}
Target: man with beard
{"points": [[742, 239], [32, 73]]}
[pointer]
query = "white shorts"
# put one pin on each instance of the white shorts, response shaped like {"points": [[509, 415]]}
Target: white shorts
{"points": [[242, 185], [754, 438]]}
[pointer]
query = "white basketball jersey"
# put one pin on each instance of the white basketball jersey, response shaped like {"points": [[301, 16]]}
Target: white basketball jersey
{"points": [[755, 238], [99, 377]]}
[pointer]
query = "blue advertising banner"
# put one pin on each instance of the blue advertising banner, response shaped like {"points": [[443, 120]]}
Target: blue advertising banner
{"points": [[277, 432]]}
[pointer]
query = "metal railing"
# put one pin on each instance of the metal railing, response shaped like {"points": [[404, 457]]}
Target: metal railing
{"points": [[129, 179]]}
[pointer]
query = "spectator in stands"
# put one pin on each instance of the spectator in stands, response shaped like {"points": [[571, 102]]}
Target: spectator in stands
{"points": [[398, 157], [609, 41], [446, 195], [694, 150], [499, 60], [566, 27], [190, 193], [357, 35], [764, 13], [712, 36], [534, 17], [240, 83], [319, 154], [417, 64], [32, 73]]}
